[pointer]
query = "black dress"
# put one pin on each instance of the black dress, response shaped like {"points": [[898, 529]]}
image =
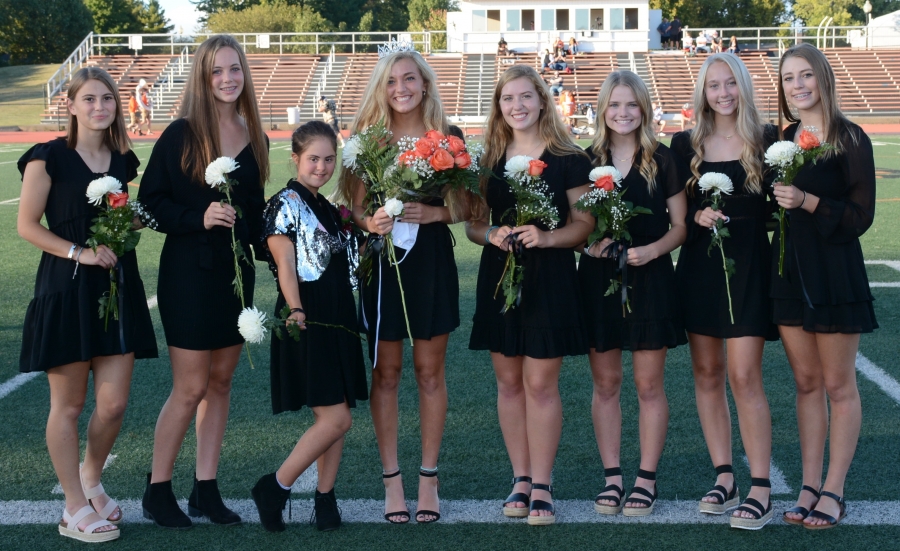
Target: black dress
{"points": [[325, 367], [62, 324], [655, 320], [430, 286], [197, 302], [547, 322], [701, 278], [825, 288]]}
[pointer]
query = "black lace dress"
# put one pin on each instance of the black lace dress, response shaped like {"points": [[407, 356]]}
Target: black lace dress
{"points": [[825, 288], [701, 278], [62, 324], [197, 302], [547, 323], [654, 321], [325, 367]]}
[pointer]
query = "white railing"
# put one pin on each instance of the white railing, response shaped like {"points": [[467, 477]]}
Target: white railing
{"points": [[632, 64], [164, 83], [329, 64], [74, 62]]}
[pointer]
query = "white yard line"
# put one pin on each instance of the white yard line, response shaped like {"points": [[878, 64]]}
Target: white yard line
{"points": [[884, 284], [895, 264], [307, 481], [10, 201], [9, 162], [371, 511], [16, 382], [872, 372], [109, 460], [776, 477]]}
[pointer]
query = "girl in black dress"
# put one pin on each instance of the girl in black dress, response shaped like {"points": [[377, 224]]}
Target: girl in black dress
{"points": [[626, 139], [403, 94], [823, 302], [310, 255], [197, 301], [730, 139], [63, 335], [528, 342]]}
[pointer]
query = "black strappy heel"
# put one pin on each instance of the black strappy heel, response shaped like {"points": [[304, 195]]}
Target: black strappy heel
{"points": [[725, 500], [390, 517], [518, 497], [420, 512], [617, 499]]}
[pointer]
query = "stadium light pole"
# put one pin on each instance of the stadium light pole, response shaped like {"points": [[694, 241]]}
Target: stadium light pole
{"points": [[867, 9]]}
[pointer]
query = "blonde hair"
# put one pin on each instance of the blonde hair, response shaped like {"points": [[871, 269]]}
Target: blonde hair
{"points": [[749, 124], [201, 136], [835, 121], [116, 137], [646, 134], [376, 107]]}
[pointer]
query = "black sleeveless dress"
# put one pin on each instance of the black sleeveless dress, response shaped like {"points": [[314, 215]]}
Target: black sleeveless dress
{"points": [[825, 288], [701, 279], [197, 302], [325, 367], [547, 323], [655, 319], [62, 324]]}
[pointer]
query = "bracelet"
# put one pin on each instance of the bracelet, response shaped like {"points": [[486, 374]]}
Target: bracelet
{"points": [[295, 310], [71, 251], [487, 235], [803, 201], [587, 250], [77, 262]]}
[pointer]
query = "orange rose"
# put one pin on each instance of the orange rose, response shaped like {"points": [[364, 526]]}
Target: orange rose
{"points": [[808, 140], [463, 160], [407, 157], [442, 160], [456, 145], [434, 135], [425, 147], [117, 200], [536, 167], [605, 183]]}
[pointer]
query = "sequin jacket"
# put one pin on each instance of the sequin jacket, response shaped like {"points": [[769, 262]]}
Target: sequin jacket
{"points": [[288, 214]]}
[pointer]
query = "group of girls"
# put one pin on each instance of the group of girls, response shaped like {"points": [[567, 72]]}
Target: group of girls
{"points": [[819, 307]]}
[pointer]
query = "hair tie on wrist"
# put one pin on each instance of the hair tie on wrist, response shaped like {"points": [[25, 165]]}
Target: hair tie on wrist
{"points": [[295, 310], [487, 234], [803, 202]]}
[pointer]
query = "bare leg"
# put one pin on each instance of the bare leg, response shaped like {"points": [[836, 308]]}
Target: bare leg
{"points": [[384, 407], [606, 412], [428, 358], [332, 422], [543, 418], [212, 412], [511, 412], [327, 465], [649, 367]]}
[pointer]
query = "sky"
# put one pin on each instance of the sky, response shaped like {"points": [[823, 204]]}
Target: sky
{"points": [[181, 13]]}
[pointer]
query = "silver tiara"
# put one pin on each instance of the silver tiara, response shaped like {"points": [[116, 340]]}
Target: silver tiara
{"points": [[395, 46]]}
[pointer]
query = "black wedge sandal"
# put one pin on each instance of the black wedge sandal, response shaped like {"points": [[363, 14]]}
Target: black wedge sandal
{"points": [[391, 517], [803, 511], [725, 500], [754, 507], [617, 499], [425, 512], [541, 505], [830, 520], [650, 503], [518, 497]]}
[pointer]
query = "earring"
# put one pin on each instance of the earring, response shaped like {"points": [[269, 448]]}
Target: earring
{"points": [[423, 93]]}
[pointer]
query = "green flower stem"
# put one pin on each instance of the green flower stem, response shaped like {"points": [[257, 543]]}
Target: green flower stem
{"points": [[781, 217], [392, 257], [113, 292], [238, 276], [727, 282], [334, 326]]}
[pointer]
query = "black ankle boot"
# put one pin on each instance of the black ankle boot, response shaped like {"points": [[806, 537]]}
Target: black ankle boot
{"points": [[160, 506], [326, 514], [270, 498], [205, 501]]}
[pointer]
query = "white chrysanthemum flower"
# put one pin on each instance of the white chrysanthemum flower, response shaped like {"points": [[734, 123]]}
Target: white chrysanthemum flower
{"points": [[602, 171], [716, 182], [99, 188], [217, 172], [393, 207], [251, 324], [351, 150], [517, 165], [781, 154]]}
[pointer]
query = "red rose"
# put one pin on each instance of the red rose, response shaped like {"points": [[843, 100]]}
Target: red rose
{"points": [[808, 140], [117, 200], [424, 147], [605, 183], [434, 135], [442, 160], [536, 167], [463, 160], [456, 145]]}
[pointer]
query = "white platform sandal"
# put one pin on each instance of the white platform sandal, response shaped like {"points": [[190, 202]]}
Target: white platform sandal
{"points": [[69, 527], [97, 491]]}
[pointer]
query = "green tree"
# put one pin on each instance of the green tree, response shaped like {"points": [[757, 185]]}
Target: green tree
{"points": [[311, 21], [844, 12], [715, 13], [387, 15], [431, 15], [261, 18], [209, 7], [26, 28], [116, 16], [154, 19]]}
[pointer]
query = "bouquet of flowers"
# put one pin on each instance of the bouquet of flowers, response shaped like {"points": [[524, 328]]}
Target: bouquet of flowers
{"points": [[605, 202], [114, 227], [715, 184], [253, 325], [533, 205], [788, 158], [217, 177]]}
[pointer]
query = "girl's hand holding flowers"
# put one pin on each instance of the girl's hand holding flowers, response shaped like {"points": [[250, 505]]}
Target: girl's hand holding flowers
{"points": [[638, 256], [419, 213], [298, 319], [708, 217], [104, 257], [380, 223], [498, 238], [791, 197], [219, 214], [531, 237]]}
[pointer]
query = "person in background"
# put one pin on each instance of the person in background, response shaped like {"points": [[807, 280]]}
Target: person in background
{"points": [[687, 42], [659, 125], [573, 46], [675, 32], [664, 28], [502, 47], [702, 43], [145, 106], [133, 113], [733, 47], [687, 115], [556, 84], [716, 43], [328, 108], [546, 59]]}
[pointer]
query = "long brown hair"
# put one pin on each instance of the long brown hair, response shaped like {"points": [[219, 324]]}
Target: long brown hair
{"points": [[116, 137], [835, 121], [201, 137], [749, 124], [646, 134]]}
